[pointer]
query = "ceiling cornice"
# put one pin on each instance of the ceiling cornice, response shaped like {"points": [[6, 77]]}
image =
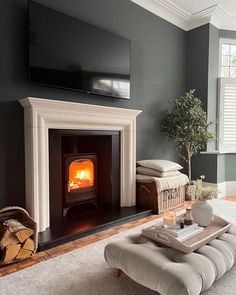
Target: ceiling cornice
{"points": [[201, 18], [166, 9], [174, 8]]}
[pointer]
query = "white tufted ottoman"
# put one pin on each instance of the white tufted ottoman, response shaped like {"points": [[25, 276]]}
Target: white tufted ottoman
{"points": [[169, 271]]}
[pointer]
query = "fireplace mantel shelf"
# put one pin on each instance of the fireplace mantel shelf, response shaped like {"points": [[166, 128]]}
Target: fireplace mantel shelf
{"points": [[58, 105], [44, 114]]}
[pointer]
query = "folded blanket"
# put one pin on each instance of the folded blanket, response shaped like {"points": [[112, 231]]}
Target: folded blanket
{"points": [[166, 182]]}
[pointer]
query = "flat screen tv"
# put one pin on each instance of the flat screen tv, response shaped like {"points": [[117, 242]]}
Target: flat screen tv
{"points": [[68, 53]]}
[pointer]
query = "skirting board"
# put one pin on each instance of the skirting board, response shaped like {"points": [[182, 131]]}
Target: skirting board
{"points": [[225, 188], [230, 188]]}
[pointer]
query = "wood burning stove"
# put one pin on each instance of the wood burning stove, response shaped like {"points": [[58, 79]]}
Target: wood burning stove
{"points": [[80, 174]]}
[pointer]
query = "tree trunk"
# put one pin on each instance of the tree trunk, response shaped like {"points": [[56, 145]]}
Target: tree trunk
{"points": [[189, 168], [189, 156]]}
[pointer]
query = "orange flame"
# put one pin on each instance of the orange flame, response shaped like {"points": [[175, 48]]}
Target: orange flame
{"points": [[81, 174]]}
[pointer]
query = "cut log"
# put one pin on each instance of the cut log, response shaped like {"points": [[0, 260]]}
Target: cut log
{"points": [[4, 234], [6, 237], [28, 245], [21, 232], [24, 234], [10, 252], [23, 253], [10, 240]]}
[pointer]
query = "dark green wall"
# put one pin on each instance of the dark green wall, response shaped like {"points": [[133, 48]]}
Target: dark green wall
{"points": [[216, 167], [213, 74], [205, 165], [197, 62], [230, 167], [158, 71], [221, 171], [202, 74], [227, 34]]}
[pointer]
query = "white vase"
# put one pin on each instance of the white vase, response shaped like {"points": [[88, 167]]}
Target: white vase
{"points": [[202, 213]]}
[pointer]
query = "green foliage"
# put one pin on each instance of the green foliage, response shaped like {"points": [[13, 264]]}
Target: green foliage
{"points": [[187, 124], [234, 61]]}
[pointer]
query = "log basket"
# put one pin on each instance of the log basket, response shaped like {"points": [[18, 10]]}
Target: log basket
{"points": [[148, 197], [22, 216]]}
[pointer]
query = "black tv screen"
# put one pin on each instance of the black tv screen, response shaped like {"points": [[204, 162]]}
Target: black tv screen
{"points": [[68, 53]]}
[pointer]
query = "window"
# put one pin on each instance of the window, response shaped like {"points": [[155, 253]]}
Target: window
{"points": [[227, 97], [228, 60]]}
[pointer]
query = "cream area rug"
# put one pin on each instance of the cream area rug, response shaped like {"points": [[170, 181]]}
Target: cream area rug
{"points": [[85, 272]]}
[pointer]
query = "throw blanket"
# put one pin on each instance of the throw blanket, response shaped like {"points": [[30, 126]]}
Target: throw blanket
{"points": [[166, 182]]}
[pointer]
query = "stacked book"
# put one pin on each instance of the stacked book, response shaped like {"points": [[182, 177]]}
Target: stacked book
{"points": [[158, 232], [185, 233]]}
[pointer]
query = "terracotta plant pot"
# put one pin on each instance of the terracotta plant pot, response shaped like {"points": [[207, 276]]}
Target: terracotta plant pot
{"points": [[202, 213]]}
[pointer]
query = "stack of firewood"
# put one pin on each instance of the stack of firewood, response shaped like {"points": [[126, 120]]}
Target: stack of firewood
{"points": [[16, 241]]}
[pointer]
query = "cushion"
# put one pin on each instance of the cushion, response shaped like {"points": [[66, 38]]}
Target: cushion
{"points": [[161, 165], [156, 173]]}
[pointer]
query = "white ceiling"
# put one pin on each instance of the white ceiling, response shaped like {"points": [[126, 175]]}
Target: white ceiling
{"points": [[193, 6], [230, 5], [189, 14]]}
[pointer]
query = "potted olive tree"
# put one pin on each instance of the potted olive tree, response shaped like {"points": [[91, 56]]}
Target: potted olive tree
{"points": [[186, 123]]}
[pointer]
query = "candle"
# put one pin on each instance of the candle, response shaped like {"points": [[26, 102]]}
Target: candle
{"points": [[169, 219]]}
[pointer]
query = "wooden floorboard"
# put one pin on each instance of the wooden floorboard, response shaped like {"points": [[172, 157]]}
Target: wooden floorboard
{"points": [[80, 243], [232, 199]]}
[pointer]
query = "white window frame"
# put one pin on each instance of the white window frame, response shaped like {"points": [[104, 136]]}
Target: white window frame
{"points": [[221, 147]]}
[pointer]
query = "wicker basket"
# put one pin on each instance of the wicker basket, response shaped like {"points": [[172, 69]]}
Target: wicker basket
{"points": [[148, 197], [22, 216]]}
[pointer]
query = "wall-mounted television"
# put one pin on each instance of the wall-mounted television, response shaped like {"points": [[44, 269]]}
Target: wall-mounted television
{"points": [[68, 53]]}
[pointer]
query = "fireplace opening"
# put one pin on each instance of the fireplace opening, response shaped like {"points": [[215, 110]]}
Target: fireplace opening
{"points": [[80, 180], [84, 174]]}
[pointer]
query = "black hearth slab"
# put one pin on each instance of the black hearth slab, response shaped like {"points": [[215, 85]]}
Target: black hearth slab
{"points": [[86, 225]]}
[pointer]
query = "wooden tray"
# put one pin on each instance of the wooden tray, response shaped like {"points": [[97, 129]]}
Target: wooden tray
{"points": [[214, 230]]}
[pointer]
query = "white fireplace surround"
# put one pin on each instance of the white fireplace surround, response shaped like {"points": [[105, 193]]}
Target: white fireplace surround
{"points": [[40, 115]]}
